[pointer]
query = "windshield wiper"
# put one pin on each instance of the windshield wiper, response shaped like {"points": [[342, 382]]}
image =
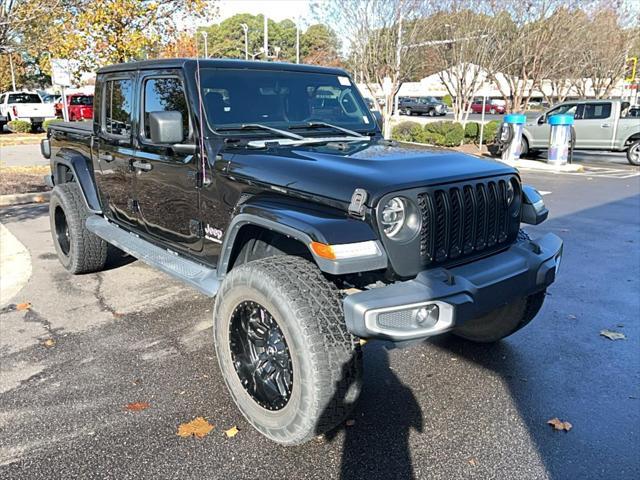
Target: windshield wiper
{"points": [[258, 126], [325, 124]]}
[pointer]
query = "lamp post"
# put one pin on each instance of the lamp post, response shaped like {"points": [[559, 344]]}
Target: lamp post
{"points": [[245, 27], [265, 46], [206, 46]]}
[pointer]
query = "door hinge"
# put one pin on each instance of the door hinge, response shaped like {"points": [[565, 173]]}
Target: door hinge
{"points": [[196, 228]]}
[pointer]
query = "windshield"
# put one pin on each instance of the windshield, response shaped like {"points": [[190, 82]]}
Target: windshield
{"points": [[282, 99], [24, 98]]}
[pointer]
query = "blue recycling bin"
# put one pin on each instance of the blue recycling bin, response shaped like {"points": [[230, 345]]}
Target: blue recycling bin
{"points": [[511, 136], [559, 138]]}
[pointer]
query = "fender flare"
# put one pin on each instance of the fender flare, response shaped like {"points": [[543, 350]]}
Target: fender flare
{"points": [[79, 165], [305, 225]]}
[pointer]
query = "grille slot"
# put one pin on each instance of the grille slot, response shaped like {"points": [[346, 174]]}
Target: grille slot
{"points": [[464, 220]]}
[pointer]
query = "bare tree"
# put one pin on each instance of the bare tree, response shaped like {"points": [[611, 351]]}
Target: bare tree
{"points": [[381, 36]]}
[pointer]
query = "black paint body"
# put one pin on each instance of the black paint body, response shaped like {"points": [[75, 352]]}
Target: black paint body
{"points": [[306, 188]]}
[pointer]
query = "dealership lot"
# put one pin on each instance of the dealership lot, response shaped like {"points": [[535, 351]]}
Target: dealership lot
{"points": [[89, 345]]}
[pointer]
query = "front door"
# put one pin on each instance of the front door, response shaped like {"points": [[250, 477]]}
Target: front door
{"points": [[113, 147], [594, 126], [167, 191]]}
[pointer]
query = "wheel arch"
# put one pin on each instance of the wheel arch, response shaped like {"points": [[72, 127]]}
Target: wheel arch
{"points": [[634, 137], [280, 221], [70, 166]]}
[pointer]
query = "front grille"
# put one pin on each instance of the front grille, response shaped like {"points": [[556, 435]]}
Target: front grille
{"points": [[464, 220]]}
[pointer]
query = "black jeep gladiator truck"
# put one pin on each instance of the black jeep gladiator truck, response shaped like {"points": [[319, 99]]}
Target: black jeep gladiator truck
{"points": [[270, 187]]}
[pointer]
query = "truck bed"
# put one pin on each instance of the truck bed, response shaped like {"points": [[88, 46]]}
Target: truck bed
{"points": [[73, 127]]}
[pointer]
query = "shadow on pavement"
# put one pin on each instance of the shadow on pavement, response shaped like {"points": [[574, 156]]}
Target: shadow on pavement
{"points": [[28, 211], [389, 411]]}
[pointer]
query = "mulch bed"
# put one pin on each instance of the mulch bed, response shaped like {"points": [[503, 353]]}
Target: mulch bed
{"points": [[22, 180]]}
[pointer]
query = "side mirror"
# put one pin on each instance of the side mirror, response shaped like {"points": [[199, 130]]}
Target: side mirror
{"points": [[541, 119], [165, 127], [378, 117]]}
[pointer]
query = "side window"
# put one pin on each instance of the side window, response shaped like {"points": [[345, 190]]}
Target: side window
{"points": [[569, 109], [118, 97], [594, 111], [164, 95]]}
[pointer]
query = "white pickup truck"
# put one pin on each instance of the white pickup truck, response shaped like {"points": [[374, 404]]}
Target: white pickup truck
{"points": [[26, 106], [599, 125]]}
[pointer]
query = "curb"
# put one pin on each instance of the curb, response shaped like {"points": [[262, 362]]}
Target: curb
{"points": [[22, 198], [15, 263], [537, 165]]}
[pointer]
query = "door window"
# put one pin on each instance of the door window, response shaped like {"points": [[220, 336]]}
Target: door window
{"points": [[593, 111], [164, 95], [118, 98]]}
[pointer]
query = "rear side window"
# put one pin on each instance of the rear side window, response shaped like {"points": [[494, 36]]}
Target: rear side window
{"points": [[597, 111], [81, 100], [24, 98], [164, 95], [118, 97]]}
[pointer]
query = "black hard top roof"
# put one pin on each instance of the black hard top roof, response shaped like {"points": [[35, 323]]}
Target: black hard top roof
{"points": [[218, 63]]}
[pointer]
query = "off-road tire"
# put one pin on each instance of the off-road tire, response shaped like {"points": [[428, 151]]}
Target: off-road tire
{"points": [[326, 358], [85, 251], [503, 321], [633, 153]]}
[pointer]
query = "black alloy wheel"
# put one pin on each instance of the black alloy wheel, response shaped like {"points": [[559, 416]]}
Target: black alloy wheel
{"points": [[62, 231], [260, 355]]}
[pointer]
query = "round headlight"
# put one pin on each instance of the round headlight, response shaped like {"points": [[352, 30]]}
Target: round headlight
{"points": [[400, 219], [393, 216]]}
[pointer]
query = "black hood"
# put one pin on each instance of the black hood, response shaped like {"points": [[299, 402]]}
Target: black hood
{"points": [[334, 170]]}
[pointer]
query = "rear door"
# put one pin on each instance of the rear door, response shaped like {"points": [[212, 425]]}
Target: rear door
{"points": [[113, 142], [166, 181], [594, 126]]}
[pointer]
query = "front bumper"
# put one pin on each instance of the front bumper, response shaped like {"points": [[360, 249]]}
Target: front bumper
{"points": [[460, 293]]}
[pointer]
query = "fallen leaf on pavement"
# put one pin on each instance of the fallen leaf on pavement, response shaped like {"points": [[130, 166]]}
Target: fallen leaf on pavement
{"points": [[232, 432], [571, 317], [473, 461], [137, 406], [559, 424], [611, 335], [350, 423], [49, 342], [198, 427], [23, 306]]}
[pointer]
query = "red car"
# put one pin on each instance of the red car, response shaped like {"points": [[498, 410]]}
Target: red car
{"points": [[489, 107], [79, 105]]}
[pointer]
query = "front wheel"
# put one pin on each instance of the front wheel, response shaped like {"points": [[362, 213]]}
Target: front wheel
{"points": [[407, 111], [633, 153], [289, 362]]}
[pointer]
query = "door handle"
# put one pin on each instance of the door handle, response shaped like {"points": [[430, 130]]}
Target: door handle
{"points": [[107, 157], [140, 165], [605, 125]]}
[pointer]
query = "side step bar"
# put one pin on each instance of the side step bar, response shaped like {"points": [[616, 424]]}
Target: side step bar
{"points": [[198, 276]]}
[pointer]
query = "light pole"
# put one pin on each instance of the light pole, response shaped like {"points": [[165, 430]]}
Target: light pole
{"points": [[245, 27], [298, 39], [206, 46], [265, 46]]}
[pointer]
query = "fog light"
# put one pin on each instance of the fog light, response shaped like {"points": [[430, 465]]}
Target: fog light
{"points": [[428, 316]]}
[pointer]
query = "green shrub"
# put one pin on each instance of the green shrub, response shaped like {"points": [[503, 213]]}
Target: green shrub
{"points": [[490, 131], [447, 100], [454, 135], [441, 128], [19, 126], [471, 131], [46, 123], [407, 132], [433, 138]]}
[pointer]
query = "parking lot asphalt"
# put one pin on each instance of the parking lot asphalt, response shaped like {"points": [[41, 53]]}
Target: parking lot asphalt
{"points": [[442, 409]]}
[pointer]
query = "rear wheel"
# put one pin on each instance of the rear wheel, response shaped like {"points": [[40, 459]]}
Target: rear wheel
{"points": [[524, 147], [633, 153], [79, 250], [286, 356], [432, 113], [407, 111]]}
